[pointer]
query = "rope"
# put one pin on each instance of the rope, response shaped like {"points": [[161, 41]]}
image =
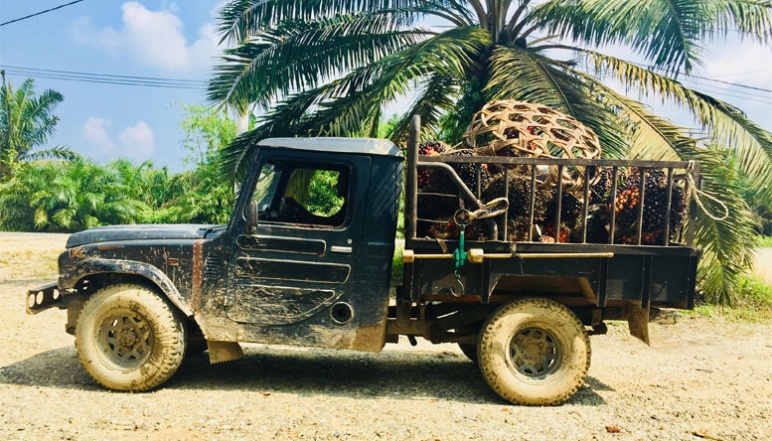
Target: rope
{"points": [[697, 193]]}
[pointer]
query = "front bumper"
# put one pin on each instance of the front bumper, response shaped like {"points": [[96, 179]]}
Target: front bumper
{"points": [[45, 297]]}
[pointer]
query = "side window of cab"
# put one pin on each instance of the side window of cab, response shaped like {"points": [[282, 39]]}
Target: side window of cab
{"points": [[305, 195]]}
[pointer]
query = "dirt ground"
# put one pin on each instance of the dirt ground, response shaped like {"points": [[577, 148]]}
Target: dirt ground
{"points": [[702, 378], [763, 266]]}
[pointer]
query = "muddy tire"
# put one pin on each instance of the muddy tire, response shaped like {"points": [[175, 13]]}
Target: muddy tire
{"points": [[534, 352], [129, 338]]}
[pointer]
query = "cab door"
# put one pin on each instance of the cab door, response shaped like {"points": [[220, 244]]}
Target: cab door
{"points": [[301, 259]]}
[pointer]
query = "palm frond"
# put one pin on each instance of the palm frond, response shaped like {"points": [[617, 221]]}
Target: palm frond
{"points": [[438, 95], [339, 107], [269, 66], [63, 153], [524, 74], [668, 33], [727, 125], [241, 19], [726, 244], [26, 121]]}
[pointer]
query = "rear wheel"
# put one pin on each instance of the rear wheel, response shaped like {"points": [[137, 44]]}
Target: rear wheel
{"points": [[129, 339], [534, 352]]}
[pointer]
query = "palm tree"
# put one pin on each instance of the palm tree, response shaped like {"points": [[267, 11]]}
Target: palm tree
{"points": [[83, 195], [323, 67], [26, 122], [16, 213]]}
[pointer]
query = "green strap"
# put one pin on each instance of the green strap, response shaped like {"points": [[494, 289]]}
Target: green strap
{"points": [[459, 255]]}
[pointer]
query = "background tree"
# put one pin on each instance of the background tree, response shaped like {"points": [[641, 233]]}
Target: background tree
{"points": [[56, 196], [208, 198], [26, 121], [60, 196], [330, 67]]}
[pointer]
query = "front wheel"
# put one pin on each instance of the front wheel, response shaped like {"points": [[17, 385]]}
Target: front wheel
{"points": [[129, 339], [534, 352]]}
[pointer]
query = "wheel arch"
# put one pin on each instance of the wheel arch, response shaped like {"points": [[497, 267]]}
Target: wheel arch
{"points": [[126, 271]]}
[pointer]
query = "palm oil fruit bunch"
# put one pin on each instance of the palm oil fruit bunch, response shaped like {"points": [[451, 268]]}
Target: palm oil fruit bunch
{"points": [[519, 195], [627, 208], [447, 229], [570, 208], [429, 148], [570, 214], [597, 226], [468, 172], [548, 233], [599, 191]]}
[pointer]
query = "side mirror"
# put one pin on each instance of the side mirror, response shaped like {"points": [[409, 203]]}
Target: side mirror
{"points": [[251, 217]]}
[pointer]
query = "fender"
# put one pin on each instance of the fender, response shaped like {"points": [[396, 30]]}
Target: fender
{"points": [[89, 267]]}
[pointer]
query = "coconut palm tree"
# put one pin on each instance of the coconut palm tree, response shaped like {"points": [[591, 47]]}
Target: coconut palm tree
{"points": [[26, 122], [322, 67]]}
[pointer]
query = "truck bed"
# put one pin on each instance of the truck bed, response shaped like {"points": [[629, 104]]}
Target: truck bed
{"points": [[582, 274], [579, 273]]}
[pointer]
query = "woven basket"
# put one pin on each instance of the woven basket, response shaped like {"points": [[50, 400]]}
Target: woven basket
{"points": [[520, 129]]}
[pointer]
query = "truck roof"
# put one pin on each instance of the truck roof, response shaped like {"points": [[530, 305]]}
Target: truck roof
{"points": [[365, 146]]}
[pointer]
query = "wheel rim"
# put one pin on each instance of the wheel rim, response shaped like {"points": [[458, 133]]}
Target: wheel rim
{"points": [[534, 353], [125, 339]]}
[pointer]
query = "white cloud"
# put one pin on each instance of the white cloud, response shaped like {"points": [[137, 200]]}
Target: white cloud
{"points": [[152, 38], [95, 134], [84, 33], [170, 6], [742, 62], [204, 50], [137, 141], [745, 63], [134, 142]]}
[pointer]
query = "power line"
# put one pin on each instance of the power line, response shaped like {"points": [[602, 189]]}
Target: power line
{"points": [[744, 73], [122, 80], [40, 13], [741, 92], [100, 75], [690, 76], [742, 86], [716, 92]]}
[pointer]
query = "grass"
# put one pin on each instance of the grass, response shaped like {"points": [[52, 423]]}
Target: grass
{"points": [[753, 303], [764, 241], [397, 266]]}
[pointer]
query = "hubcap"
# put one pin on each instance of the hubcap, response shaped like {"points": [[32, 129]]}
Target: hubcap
{"points": [[533, 352], [126, 339]]}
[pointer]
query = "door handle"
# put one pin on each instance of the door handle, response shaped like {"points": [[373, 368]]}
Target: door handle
{"points": [[340, 250]]}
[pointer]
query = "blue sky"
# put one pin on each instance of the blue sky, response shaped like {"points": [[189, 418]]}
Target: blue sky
{"points": [[147, 38], [177, 40]]}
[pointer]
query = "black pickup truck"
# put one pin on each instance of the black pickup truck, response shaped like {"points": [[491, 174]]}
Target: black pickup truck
{"points": [[140, 297]]}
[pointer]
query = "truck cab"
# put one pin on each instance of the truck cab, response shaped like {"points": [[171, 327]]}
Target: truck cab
{"points": [[305, 260], [309, 249]]}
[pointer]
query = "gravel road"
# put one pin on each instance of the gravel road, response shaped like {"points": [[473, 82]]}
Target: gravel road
{"points": [[702, 378]]}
